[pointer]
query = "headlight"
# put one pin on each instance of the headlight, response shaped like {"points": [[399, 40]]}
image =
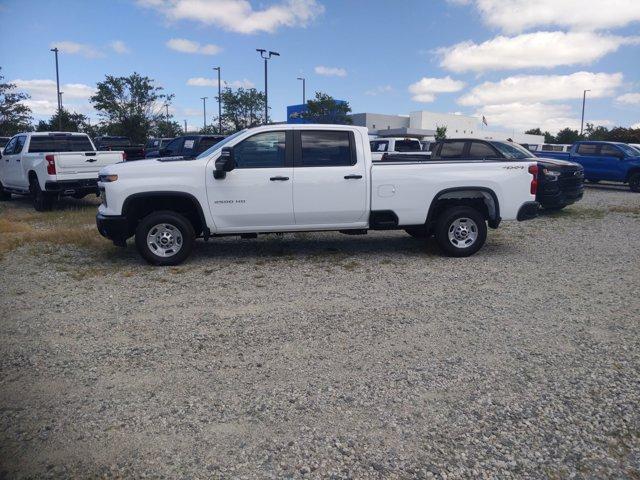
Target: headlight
{"points": [[550, 174], [108, 178]]}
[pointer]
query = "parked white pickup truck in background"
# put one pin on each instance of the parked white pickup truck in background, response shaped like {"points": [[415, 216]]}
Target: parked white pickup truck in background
{"points": [[288, 178], [50, 165], [407, 146]]}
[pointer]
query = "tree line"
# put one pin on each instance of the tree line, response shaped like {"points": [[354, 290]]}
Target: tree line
{"points": [[135, 107], [591, 132]]}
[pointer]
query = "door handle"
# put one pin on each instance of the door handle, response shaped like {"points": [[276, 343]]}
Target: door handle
{"points": [[352, 177], [279, 179]]}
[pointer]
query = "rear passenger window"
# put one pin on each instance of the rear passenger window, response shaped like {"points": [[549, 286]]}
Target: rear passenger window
{"points": [[452, 150], [61, 143], [263, 150], [326, 149], [587, 149], [407, 146], [481, 150], [609, 151], [379, 146]]}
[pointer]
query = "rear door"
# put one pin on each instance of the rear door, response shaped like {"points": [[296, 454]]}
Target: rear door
{"points": [[610, 162], [330, 184], [257, 195], [587, 155]]}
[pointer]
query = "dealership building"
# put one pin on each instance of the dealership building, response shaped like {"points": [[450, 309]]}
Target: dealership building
{"points": [[422, 124]]}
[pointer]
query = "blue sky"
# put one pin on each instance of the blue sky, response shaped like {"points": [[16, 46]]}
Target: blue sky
{"points": [[519, 63]]}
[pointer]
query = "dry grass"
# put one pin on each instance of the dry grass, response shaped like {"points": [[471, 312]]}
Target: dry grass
{"points": [[20, 226]]}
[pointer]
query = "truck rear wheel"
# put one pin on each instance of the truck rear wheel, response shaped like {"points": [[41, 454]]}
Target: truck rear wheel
{"points": [[634, 182], [42, 201], [165, 238], [461, 231]]}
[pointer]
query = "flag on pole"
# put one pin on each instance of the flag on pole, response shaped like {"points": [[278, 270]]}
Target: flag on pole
{"points": [[484, 120]]}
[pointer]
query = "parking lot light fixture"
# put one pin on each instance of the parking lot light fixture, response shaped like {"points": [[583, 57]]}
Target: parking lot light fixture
{"points": [[266, 55], [204, 110], [584, 98], [304, 88]]}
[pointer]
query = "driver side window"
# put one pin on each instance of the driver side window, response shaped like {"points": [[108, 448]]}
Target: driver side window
{"points": [[263, 150], [11, 146]]}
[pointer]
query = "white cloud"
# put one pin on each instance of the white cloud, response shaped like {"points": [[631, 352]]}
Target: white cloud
{"points": [[74, 48], [636, 125], [120, 47], [539, 88], [539, 49], [379, 90], [629, 98], [513, 16], [239, 15], [188, 46], [522, 116], [330, 71], [43, 101], [425, 89], [213, 82]]}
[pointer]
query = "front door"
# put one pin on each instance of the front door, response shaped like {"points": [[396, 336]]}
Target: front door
{"points": [[257, 195], [611, 164], [330, 184], [11, 163], [587, 156]]}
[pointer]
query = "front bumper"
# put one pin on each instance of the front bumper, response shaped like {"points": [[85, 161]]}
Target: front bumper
{"points": [[72, 187], [114, 227], [528, 210]]}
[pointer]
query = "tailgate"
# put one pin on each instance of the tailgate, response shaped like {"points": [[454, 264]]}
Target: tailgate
{"points": [[84, 163]]}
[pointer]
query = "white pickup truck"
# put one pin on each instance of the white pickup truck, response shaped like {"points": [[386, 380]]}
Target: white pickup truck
{"points": [[50, 165], [396, 145], [290, 178]]}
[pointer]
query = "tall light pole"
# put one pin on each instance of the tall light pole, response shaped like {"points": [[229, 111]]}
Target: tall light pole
{"points": [[185, 127], [584, 98], [166, 105], [204, 110], [219, 102], [266, 56], [304, 88], [55, 51]]}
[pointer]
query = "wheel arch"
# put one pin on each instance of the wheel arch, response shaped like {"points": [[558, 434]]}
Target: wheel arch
{"points": [[632, 171], [463, 195]]}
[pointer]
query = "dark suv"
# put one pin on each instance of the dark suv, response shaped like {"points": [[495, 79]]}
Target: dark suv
{"points": [[560, 183], [189, 146]]}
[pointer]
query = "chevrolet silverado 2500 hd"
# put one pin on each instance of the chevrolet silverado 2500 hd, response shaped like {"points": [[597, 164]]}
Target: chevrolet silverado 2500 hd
{"points": [[288, 178], [51, 165]]}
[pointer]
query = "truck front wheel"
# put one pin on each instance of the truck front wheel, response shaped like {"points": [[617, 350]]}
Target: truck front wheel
{"points": [[165, 238], [461, 231], [4, 195]]}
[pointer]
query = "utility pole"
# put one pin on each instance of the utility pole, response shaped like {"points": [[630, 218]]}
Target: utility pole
{"points": [[266, 56], [167, 107], [304, 93], [204, 110], [55, 51], [584, 98], [219, 102], [185, 127]]}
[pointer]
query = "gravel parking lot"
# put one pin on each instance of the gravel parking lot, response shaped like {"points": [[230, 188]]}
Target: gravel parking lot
{"points": [[326, 355]]}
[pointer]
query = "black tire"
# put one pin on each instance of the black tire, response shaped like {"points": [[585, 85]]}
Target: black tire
{"points": [[634, 182], [555, 208], [42, 201], [178, 230], [472, 226], [590, 180], [4, 195], [417, 232]]}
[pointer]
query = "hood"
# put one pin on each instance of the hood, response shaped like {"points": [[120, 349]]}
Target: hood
{"points": [[555, 162]]}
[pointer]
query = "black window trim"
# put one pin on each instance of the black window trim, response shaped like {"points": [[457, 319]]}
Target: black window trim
{"points": [[600, 146], [297, 147], [7, 145], [288, 149]]}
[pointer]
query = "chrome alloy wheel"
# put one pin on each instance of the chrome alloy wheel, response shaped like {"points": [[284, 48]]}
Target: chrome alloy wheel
{"points": [[463, 232], [164, 240]]}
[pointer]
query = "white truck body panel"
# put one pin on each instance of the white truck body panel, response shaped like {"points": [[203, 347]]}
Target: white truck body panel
{"points": [[314, 198]]}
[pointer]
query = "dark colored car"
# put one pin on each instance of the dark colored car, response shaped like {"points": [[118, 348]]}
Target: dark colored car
{"points": [[189, 146], [560, 183], [154, 145], [131, 151], [4, 141]]}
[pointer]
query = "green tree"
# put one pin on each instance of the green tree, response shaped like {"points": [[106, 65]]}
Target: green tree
{"points": [[596, 133], [129, 106], [325, 109], [71, 122], [441, 132], [15, 116], [549, 138], [166, 129], [626, 135], [243, 108], [534, 131], [568, 136]]}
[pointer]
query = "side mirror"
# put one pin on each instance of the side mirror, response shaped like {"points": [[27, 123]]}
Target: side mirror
{"points": [[225, 163]]}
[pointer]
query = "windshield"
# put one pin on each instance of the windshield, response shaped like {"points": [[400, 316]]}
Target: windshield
{"points": [[512, 151], [219, 145], [628, 150]]}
